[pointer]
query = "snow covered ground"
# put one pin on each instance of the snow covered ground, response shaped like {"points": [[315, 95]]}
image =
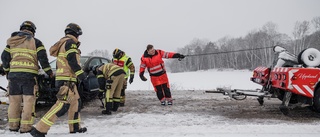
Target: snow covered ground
{"points": [[194, 113]]}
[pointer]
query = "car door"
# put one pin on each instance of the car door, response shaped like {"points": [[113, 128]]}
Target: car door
{"points": [[93, 84]]}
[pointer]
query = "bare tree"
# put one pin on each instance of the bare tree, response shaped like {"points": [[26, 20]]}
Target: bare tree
{"points": [[316, 23], [100, 53], [301, 30]]}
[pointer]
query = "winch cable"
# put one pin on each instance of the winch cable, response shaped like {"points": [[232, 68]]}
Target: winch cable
{"points": [[224, 52]]}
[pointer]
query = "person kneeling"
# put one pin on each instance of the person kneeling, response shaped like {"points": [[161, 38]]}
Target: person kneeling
{"points": [[110, 79]]}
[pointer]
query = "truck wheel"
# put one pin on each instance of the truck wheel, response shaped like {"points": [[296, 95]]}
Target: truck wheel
{"points": [[309, 57], [316, 100]]}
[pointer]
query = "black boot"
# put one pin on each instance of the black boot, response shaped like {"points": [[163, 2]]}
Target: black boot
{"points": [[81, 130], [22, 132], [115, 106], [108, 108], [121, 104], [35, 133], [14, 130]]}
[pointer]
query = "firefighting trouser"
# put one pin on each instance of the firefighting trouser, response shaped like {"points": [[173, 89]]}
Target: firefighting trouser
{"points": [[123, 93], [163, 92], [22, 90], [113, 93], [68, 101]]}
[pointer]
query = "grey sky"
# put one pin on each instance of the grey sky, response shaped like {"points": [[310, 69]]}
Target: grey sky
{"points": [[167, 24]]}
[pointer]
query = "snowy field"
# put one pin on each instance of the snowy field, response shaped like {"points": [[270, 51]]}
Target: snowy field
{"points": [[194, 113]]}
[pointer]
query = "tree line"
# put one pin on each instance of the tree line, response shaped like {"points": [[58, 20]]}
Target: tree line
{"points": [[306, 34]]}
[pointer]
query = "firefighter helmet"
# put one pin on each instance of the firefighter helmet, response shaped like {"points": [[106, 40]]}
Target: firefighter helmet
{"points": [[73, 28], [28, 25], [117, 52]]}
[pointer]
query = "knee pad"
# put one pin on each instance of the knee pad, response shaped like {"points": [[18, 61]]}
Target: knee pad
{"points": [[63, 110]]}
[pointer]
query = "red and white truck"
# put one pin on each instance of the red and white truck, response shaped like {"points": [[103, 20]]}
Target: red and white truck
{"points": [[292, 79]]}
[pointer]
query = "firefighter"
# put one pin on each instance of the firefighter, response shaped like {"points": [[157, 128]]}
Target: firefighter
{"points": [[110, 79], [20, 62], [67, 74], [121, 59], [152, 60]]}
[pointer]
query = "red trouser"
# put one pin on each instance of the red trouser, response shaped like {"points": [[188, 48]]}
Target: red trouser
{"points": [[161, 86]]}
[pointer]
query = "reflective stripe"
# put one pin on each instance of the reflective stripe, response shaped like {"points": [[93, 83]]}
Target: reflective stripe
{"points": [[24, 70], [79, 72], [70, 51], [143, 65], [66, 78], [100, 76], [116, 99], [46, 121], [74, 121], [46, 117], [61, 54], [14, 119], [109, 99], [74, 46], [116, 69], [31, 121], [23, 50], [154, 72], [113, 69], [129, 64], [40, 48], [107, 96], [46, 69], [6, 69], [104, 69], [155, 67], [7, 49], [165, 55], [101, 90], [54, 111]]}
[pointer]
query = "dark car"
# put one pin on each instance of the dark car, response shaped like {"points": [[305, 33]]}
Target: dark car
{"points": [[88, 88]]}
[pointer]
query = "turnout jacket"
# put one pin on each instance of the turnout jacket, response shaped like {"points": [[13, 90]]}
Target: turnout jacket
{"points": [[21, 56], [68, 59], [105, 72], [126, 63]]}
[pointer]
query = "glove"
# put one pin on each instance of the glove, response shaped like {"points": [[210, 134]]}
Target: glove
{"points": [[94, 68], [131, 79], [178, 55], [181, 56], [142, 77], [82, 76]]}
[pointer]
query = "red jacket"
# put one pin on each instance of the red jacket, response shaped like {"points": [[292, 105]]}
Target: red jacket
{"points": [[154, 63]]}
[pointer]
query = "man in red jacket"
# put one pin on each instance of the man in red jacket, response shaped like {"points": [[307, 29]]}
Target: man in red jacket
{"points": [[152, 60]]}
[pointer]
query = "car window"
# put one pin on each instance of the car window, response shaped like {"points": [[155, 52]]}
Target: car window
{"points": [[83, 60], [94, 62], [105, 61]]}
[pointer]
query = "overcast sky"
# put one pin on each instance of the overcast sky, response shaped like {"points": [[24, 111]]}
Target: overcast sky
{"points": [[167, 24]]}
